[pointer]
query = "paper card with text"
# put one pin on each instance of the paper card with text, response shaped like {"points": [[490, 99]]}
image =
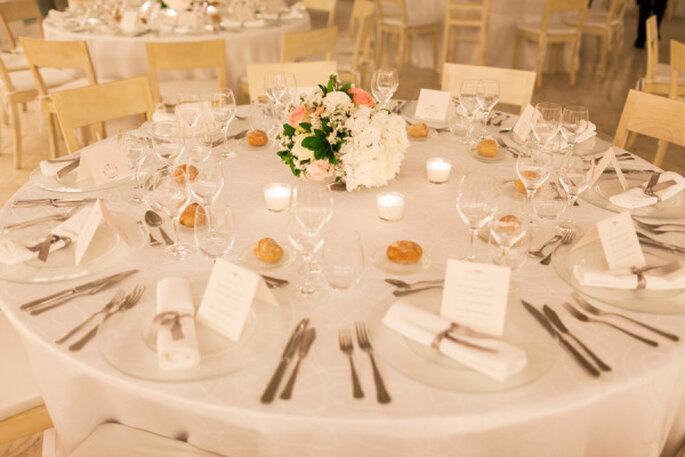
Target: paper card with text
{"points": [[475, 295], [524, 124], [432, 105], [99, 216], [229, 294], [608, 159], [619, 242], [129, 21], [103, 164]]}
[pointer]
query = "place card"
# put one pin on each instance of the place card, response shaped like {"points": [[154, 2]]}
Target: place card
{"points": [[229, 294], [475, 295], [432, 105], [129, 21], [103, 165], [609, 159], [524, 124], [619, 242], [99, 215]]}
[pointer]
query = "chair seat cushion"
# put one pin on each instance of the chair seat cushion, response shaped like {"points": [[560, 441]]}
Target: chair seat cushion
{"points": [[116, 440], [18, 389], [23, 80], [14, 61], [662, 74], [552, 29], [203, 87]]}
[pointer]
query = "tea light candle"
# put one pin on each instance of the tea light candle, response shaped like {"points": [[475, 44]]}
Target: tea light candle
{"points": [[277, 196], [390, 206], [438, 170]]}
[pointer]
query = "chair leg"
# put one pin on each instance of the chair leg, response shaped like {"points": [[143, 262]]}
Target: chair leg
{"points": [[660, 153], [444, 52], [16, 134], [50, 121], [574, 60], [603, 50], [517, 50], [436, 41], [542, 50]]}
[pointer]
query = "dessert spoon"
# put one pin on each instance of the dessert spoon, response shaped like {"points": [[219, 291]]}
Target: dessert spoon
{"points": [[155, 220]]}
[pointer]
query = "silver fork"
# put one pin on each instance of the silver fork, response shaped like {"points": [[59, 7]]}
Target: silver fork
{"points": [[363, 339], [538, 252], [39, 220], [583, 318], [346, 346], [130, 301], [568, 238], [118, 298]]}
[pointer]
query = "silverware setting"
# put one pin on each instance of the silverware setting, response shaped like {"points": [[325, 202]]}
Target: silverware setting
{"points": [[658, 229], [118, 298], [67, 169], [540, 251], [347, 348], [584, 318], [648, 241], [515, 152], [566, 239], [274, 283], [307, 340], [56, 202], [405, 285], [51, 301], [287, 355], [153, 220], [61, 217], [365, 345], [555, 187], [599, 312]]}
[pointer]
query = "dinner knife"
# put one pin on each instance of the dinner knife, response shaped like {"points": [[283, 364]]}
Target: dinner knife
{"points": [[288, 353], [649, 241], [68, 294], [72, 166], [547, 326], [56, 202]]}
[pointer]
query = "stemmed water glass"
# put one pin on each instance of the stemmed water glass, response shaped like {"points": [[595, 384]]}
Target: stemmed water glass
{"points": [[546, 122], [223, 110], [487, 95], [311, 209], [476, 204], [213, 231], [171, 194], [208, 181], [574, 121], [468, 100], [533, 168], [134, 149], [575, 176], [342, 259], [274, 86], [190, 109], [166, 140], [384, 84], [508, 227]]}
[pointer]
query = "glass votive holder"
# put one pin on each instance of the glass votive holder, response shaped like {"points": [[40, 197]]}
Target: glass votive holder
{"points": [[438, 170], [390, 206], [277, 196]]}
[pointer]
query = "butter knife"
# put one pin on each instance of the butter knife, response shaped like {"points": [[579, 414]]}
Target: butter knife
{"points": [[72, 166], [56, 202], [307, 340], [288, 353], [556, 335], [648, 241]]}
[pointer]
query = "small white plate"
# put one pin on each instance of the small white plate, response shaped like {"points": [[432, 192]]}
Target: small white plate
{"points": [[380, 260], [252, 261]]}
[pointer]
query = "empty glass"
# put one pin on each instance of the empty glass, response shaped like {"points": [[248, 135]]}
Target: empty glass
{"points": [[487, 95], [574, 121], [166, 140], [549, 202], [575, 176], [223, 110], [261, 117], [546, 122], [384, 84], [507, 227], [468, 99], [208, 179], [214, 232], [171, 195], [476, 203], [458, 121], [132, 146], [533, 168], [189, 108], [342, 260]]}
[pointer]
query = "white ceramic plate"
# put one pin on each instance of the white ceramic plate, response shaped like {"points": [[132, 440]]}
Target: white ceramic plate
{"points": [[252, 261], [380, 260], [68, 183]]}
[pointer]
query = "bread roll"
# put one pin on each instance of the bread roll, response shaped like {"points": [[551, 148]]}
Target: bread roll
{"points": [[404, 251]]}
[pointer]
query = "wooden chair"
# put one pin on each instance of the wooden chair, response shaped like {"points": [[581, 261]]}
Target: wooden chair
{"points": [[22, 411], [186, 56], [307, 74], [392, 18], [44, 55], [14, 11], [607, 26], [85, 106], [363, 13], [654, 116], [325, 6], [463, 16], [553, 33], [516, 86], [657, 78], [677, 68], [307, 45]]}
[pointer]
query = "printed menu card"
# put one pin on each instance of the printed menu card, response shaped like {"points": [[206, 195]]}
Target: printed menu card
{"points": [[103, 164], [475, 295], [619, 241], [432, 105]]}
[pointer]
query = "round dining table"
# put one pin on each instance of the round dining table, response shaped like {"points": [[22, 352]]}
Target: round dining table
{"points": [[121, 56], [635, 410]]}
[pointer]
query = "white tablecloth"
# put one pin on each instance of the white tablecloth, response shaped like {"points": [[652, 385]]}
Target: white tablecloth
{"points": [[634, 411], [117, 57]]}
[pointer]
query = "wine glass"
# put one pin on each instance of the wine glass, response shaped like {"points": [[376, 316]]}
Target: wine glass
{"points": [[342, 258], [132, 146], [223, 109], [507, 227], [166, 140], [458, 122], [575, 176], [213, 231], [546, 121], [170, 193], [384, 84], [208, 180], [533, 168], [468, 100], [487, 95], [550, 201], [476, 204], [274, 86], [189, 108], [574, 121], [261, 117]]}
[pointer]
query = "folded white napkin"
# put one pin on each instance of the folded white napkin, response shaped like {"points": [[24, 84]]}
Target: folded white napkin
{"points": [[48, 168], [176, 351], [257, 23], [422, 327], [12, 253], [636, 198], [589, 132], [625, 279]]}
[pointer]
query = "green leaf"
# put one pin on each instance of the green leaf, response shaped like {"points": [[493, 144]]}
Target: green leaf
{"points": [[288, 130], [331, 84], [306, 126], [320, 134]]}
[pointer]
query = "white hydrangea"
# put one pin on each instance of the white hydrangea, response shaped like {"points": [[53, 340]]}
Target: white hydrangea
{"points": [[336, 102], [300, 152]]}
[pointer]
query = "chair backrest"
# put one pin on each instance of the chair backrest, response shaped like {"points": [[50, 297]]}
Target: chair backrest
{"points": [[651, 115], [327, 6], [386, 8], [565, 6], [652, 46], [57, 54], [363, 12], [677, 66], [307, 74], [462, 13], [516, 86], [7, 85], [617, 11], [185, 56], [18, 10], [95, 104], [298, 46]]}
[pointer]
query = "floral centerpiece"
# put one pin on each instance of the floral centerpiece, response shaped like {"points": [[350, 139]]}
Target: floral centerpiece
{"points": [[338, 131]]}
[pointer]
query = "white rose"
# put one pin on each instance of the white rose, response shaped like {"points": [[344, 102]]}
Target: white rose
{"points": [[300, 152], [337, 100]]}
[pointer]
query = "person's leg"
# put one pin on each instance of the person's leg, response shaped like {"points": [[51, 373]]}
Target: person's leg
{"points": [[659, 7], [644, 13]]}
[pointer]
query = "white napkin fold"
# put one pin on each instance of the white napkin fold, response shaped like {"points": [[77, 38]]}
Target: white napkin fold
{"points": [[625, 279], [422, 327], [636, 198], [48, 168], [173, 294], [12, 253]]}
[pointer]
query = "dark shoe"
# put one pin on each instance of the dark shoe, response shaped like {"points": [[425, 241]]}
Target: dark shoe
{"points": [[639, 44]]}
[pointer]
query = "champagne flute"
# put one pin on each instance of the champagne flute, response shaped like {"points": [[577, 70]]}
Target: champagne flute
{"points": [[487, 95], [213, 231], [574, 121], [223, 109], [384, 84], [171, 195], [575, 176], [546, 122], [476, 204], [343, 259], [132, 146], [468, 100]]}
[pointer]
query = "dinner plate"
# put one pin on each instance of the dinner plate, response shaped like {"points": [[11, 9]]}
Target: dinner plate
{"points": [[595, 145], [591, 255], [430, 367], [106, 250], [250, 260], [68, 183], [380, 260], [608, 186], [122, 340]]}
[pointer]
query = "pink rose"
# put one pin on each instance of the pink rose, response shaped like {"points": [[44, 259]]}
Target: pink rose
{"points": [[298, 116], [319, 111], [319, 170], [361, 97]]}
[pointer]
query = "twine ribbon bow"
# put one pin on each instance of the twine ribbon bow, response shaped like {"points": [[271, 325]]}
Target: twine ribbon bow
{"points": [[169, 319], [659, 270], [43, 248], [435, 344]]}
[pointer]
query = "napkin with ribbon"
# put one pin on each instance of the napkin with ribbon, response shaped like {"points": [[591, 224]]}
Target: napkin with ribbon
{"points": [[12, 252], [174, 325], [669, 185], [483, 353], [661, 277]]}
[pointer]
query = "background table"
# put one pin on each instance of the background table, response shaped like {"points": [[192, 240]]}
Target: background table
{"points": [[118, 56], [634, 411]]}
